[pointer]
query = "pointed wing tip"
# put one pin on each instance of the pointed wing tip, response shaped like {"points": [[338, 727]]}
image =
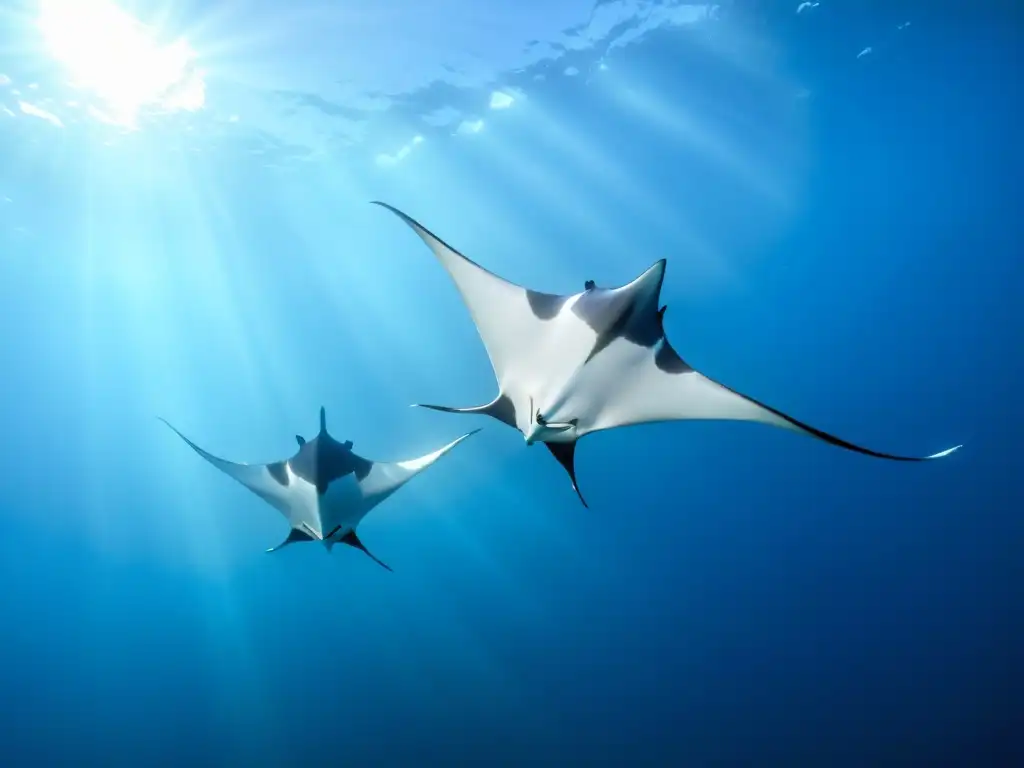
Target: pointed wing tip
{"points": [[578, 493], [174, 429], [389, 207], [416, 226], [456, 441], [945, 453], [466, 436]]}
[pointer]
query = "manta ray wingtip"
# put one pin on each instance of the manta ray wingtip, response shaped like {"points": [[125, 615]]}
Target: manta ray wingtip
{"points": [[382, 204], [173, 428], [945, 453]]}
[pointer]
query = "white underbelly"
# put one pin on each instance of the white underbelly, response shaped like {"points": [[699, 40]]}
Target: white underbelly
{"points": [[343, 505]]}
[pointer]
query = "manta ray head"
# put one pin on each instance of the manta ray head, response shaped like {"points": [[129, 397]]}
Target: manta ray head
{"points": [[543, 430]]}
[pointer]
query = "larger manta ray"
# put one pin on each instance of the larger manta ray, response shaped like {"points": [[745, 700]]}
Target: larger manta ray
{"points": [[568, 366], [325, 489]]}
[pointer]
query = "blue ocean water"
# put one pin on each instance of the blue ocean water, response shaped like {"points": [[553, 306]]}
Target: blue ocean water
{"points": [[843, 236]]}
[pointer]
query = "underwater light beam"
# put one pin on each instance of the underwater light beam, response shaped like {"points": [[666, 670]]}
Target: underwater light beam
{"points": [[112, 54], [687, 129]]}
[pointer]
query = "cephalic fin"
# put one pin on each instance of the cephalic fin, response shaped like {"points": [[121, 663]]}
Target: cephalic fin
{"points": [[566, 455]]}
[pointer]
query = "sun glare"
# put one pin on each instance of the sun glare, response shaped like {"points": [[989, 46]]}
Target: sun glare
{"points": [[110, 53]]}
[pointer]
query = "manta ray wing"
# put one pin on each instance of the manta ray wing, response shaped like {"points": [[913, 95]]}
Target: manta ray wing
{"points": [[632, 384], [275, 483], [387, 477], [383, 479], [531, 338]]}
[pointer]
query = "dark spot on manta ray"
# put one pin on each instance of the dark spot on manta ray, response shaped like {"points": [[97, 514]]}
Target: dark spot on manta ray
{"points": [[669, 361], [545, 306], [613, 314], [278, 471], [617, 315], [323, 460]]}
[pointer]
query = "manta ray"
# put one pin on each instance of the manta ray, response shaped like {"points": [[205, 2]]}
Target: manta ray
{"points": [[571, 365], [326, 488]]}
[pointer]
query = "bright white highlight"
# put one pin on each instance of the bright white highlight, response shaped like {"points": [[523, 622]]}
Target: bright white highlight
{"points": [[42, 114], [501, 100], [108, 52]]}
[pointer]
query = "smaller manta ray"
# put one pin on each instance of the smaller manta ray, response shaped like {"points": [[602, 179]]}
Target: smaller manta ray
{"points": [[325, 489], [567, 366]]}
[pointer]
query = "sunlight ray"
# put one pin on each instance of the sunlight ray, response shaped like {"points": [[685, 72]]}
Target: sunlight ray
{"points": [[688, 129], [669, 216], [99, 503], [49, 148], [230, 287], [242, 685], [344, 281], [139, 271], [508, 239], [110, 53], [393, 303], [510, 166], [757, 57]]}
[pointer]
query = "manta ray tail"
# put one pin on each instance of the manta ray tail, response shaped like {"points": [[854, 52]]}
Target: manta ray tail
{"points": [[566, 455], [500, 408], [352, 540]]}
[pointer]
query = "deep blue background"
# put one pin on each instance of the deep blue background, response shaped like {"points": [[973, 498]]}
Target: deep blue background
{"points": [[735, 594]]}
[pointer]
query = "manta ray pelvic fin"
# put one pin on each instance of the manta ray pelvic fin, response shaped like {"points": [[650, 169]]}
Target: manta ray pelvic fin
{"points": [[352, 540], [501, 408], [293, 536], [566, 455]]}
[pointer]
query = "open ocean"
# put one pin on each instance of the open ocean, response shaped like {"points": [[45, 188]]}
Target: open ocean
{"points": [[186, 233]]}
